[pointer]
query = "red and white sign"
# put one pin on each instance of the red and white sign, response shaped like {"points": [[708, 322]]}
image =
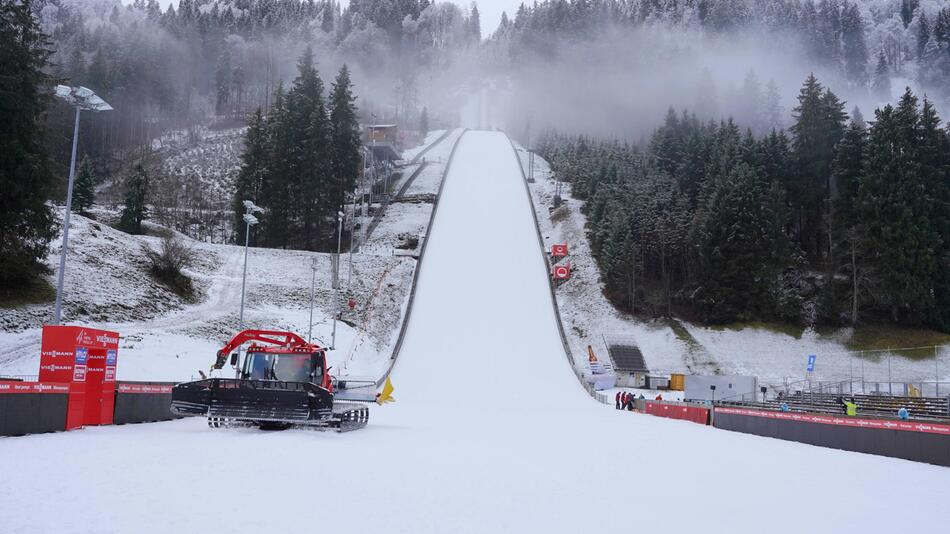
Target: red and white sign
{"points": [[86, 358], [559, 251], [561, 272], [882, 424]]}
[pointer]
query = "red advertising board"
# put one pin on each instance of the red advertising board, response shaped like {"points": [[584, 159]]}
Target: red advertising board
{"points": [[86, 359], [884, 424], [559, 250], [561, 272], [678, 411]]}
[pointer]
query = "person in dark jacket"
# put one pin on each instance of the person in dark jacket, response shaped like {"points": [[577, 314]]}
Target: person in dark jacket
{"points": [[617, 397]]}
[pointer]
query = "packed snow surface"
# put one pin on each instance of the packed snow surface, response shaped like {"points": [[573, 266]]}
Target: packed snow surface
{"points": [[490, 433]]}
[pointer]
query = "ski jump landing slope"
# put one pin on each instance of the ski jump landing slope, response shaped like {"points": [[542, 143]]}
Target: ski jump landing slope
{"points": [[490, 433]]}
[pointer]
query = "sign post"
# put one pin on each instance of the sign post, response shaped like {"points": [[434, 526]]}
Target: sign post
{"points": [[810, 369]]}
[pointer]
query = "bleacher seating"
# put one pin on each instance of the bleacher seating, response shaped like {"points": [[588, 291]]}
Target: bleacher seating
{"points": [[868, 405], [627, 358]]}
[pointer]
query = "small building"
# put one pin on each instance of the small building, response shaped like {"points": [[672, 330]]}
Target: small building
{"points": [[382, 133], [734, 388], [629, 364], [383, 141]]}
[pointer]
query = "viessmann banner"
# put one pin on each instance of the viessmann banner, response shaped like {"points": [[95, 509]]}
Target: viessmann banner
{"points": [[33, 387], [145, 388], [882, 424]]}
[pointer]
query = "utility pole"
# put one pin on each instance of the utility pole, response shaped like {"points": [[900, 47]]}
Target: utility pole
{"points": [[81, 98]]}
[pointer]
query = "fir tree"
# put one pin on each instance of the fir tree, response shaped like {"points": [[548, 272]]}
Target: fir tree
{"points": [[848, 169], [222, 77], [345, 135], [923, 34], [84, 190], [424, 122], [26, 222], [854, 47], [774, 114], [813, 150], [136, 198], [882, 78], [255, 168], [901, 243], [475, 24]]}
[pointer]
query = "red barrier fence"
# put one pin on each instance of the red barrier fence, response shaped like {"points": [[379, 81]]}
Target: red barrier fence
{"points": [[685, 412], [37, 407]]}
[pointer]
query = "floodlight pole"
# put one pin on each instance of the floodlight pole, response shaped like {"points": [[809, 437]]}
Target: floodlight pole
{"points": [[81, 98], [336, 303], [249, 220], [247, 240], [57, 313], [313, 281]]}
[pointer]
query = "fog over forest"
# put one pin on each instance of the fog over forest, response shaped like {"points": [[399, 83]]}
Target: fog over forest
{"points": [[599, 67], [217, 101]]}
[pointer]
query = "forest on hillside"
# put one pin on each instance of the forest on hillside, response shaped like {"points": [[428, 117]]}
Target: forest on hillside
{"points": [[838, 221], [815, 175]]}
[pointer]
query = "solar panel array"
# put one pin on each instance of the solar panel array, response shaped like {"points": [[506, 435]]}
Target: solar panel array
{"points": [[627, 359]]}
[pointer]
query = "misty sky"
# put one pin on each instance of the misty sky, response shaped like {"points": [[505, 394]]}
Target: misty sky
{"points": [[490, 10]]}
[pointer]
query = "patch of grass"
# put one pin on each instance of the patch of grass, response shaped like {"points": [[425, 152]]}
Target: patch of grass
{"points": [[884, 337], [696, 349], [36, 292], [791, 330], [683, 335], [560, 214]]}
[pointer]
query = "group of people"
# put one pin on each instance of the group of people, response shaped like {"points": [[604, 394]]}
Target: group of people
{"points": [[624, 400], [851, 408]]}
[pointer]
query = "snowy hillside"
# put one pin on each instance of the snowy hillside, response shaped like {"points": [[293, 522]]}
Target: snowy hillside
{"points": [[163, 337], [679, 346]]}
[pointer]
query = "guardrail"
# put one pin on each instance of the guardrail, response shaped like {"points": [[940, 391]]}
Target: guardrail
{"points": [[415, 275], [544, 260], [433, 145]]}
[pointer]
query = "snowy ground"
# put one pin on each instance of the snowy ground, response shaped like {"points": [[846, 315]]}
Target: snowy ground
{"points": [[770, 355], [491, 433], [164, 337]]}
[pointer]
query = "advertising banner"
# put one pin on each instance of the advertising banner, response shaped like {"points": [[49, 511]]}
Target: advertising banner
{"points": [[145, 388], [884, 424], [33, 387]]}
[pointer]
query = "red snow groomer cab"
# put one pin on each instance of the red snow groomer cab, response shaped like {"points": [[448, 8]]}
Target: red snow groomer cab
{"points": [[283, 382]]}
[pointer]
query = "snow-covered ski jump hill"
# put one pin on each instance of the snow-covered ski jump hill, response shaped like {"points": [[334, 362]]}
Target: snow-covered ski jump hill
{"points": [[491, 432]]}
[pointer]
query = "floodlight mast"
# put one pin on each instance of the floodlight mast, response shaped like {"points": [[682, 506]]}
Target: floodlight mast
{"points": [[83, 99], [250, 220]]}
